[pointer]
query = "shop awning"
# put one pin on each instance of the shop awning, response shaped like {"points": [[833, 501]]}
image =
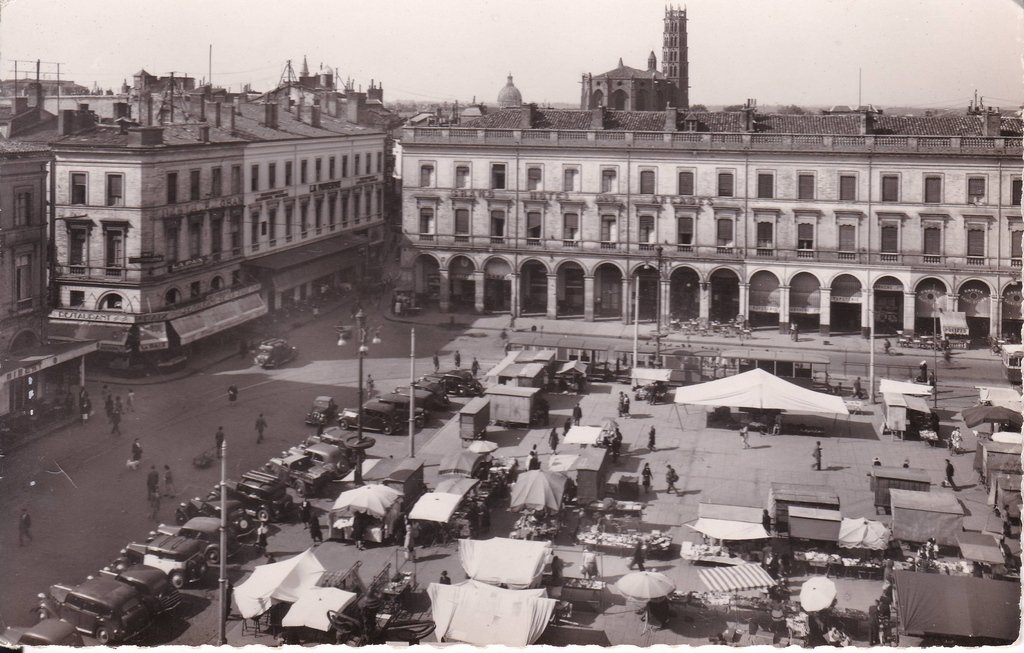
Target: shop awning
{"points": [[153, 335], [863, 533], [218, 318], [980, 547], [953, 323], [109, 337], [277, 581], [40, 358], [737, 578], [904, 388], [814, 524], [650, 374], [298, 265], [481, 615], [916, 404], [724, 522], [958, 606], [313, 605], [436, 507], [457, 486]]}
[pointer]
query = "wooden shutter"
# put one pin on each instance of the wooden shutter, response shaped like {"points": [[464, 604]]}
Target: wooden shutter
{"points": [[890, 188], [975, 242], [890, 239], [805, 188], [724, 231], [462, 221], [847, 188], [684, 229], [764, 234], [847, 238], [725, 184], [686, 183], [647, 182], [932, 241], [765, 185]]}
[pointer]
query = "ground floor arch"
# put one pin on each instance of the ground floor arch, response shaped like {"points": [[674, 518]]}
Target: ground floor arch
{"points": [[684, 294], [974, 300], [1010, 314], [427, 278], [888, 305], [607, 291], [26, 339], [570, 290], [647, 281], [845, 304], [497, 286], [805, 302], [533, 288], [724, 300], [462, 283], [765, 302], [930, 302]]}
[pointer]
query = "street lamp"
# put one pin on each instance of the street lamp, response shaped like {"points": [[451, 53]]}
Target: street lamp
{"points": [[659, 250], [359, 444]]}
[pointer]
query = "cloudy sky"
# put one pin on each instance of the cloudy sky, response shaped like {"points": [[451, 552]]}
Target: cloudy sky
{"points": [[917, 53]]}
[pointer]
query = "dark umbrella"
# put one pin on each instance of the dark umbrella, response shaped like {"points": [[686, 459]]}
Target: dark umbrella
{"points": [[992, 414]]}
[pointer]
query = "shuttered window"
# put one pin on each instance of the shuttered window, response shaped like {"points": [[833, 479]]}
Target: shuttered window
{"points": [[685, 183], [890, 239], [932, 241], [805, 236], [1016, 247], [609, 228], [725, 184], [975, 242], [932, 190], [1015, 190], [609, 183], [765, 185], [975, 189], [805, 187], [847, 188], [646, 229], [890, 188], [684, 229], [462, 221], [426, 221], [847, 238], [533, 179], [533, 224], [462, 177], [571, 226], [647, 186], [569, 177], [724, 232], [497, 224], [765, 233]]}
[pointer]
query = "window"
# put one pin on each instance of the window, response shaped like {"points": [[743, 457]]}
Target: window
{"points": [[724, 232], [426, 176], [570, 178], [975, 190], [287, 173], [368, 162], [497, 224], [571, 226], [195, 238], [78, 250], [609, 229], [172, 187], [344, 165], [847, 238], [193, 185], [111, 302], [1016, 246], [804, 236], [534, 225], [380, 161], [462, 221], [609, 181], [462, 176], [77, 298], [426, 220], [115, 190], [684, 230], [23, 207], [303, 218], [23, 277], [848, 188], [932, 241], [171, 296], [331, 167], [765, 235], [79, 184], [254, 177], [534, 179], [216, 182], [235, 230], [254, 228], [685, 183], [890, 188], [805, 187], [932, 190], [303, 172], [765, 185], [271, 175], [236, 180], [725, 184], [289, 210], [195, 289], [344, 209], [318, 169], [356, 197], [498, 176], [115, 247], [1015, 191], [318, 209], [890, 239], [332, 209], [648, 185], [216, 235], [355, 164], [975, 242], [646, 229]]}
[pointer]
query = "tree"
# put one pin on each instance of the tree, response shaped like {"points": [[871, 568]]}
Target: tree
{"points": [[793, 110], [735, 107], [697, 107]]}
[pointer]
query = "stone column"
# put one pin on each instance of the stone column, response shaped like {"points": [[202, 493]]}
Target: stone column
{"points": [[909, 307], [665, 312], [552, 296], [478, 287], [445, 300], [745, 300], [783, 309], [825, 311], [588, 298], [705, 300], [513, 301]]}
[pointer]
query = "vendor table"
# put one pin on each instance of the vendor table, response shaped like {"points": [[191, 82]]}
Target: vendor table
{"points": [[931, 437], [395, 590], [613, 507], [832, 564], [708, 554], [581, 590], [658, 545]]}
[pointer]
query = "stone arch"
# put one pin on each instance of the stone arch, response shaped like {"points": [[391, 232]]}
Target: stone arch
{"points": [[462, 282], [646, 285], [974, 300], [172, 296], [932, 299], [110, 301], [533, 287], [888, 306], [847, 304], [217, 282], [608, 280], [597, 99], [426, 278], [724, 299], [618, 100], [764, 300], [497, 285], [684, 293], [1010, 303], [25, 339], [805, 301], [536, 260], [569, 289]]}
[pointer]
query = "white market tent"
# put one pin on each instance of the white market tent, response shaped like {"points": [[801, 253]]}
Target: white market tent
{"points": [[863, 533], [1008, 437], [456, 485], [279, 581], [517, 563], [739, 578], [650, 375], [435, 506], [480, 614], [999, 397], [312, 607], [583, 435], [904, 388], [729, 522], [759, 389]]}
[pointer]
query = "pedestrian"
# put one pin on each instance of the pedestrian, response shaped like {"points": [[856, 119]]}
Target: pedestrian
{"points": [[118, 406], [651, 438], [437, 363], [566, 426], [766, 521], [305, 513], [152, 482], [858, 392], [931, 379], [458, 359], [261, 537], [553, 440], [115, 422], [475, 367], [169, 489], [85, 407], [616, 446], [108, 405], [646, 475], [621, 403], [232, 393], [949, 475], [409, 543], [369, 385], [817, 456], [625, 406], [444, 579], [777, 426], [744, 435], [261, 425], [136, 451], [588, 566], [218, 441], [637, 560], [534, 462], [154, 505], [130, 405], [670, 478], [796, 333], [24, 527], [314, 529], [577, 414]]}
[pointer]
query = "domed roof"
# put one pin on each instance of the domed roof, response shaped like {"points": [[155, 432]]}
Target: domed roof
{"points": [[510, 95]]}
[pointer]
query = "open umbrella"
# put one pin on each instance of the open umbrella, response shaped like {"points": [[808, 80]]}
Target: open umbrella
{"points": [[374, 500], [537, 490], [645, 585], [461, 463], [482, 446], [980, 414], [817, 593]]}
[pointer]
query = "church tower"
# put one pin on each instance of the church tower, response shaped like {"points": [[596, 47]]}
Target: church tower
{"points": [[674, 55]]}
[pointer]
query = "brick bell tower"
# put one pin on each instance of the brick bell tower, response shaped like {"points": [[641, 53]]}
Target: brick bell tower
{"points": [[674, 57]]}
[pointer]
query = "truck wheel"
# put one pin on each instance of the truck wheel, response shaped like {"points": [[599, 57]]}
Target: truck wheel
{"points": [[243, 524], [388, 429], [213, 555], [263, 514], [177, 579], [179, 517], [102, 635]]}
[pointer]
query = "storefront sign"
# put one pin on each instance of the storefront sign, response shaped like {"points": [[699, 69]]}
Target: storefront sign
{"points": [[804, 310], [92, 316], [888, 287], [191, 263], [327, 185], [146, 258], [181, 210], [366, 180], [272, 195], [764, 309], [841, 299], [219, 298]]}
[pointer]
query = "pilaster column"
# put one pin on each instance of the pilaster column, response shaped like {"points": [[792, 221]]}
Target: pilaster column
{"points": [[783, 309], [552, 296], [745, 300], [824, 311], [588, 298], [705, 300], [478, 287], [513, 302], [909, 308], [445, 299]]}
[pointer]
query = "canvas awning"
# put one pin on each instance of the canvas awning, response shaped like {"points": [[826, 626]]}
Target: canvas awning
{"points": [[436, 507], [1008, 437], [814, 523], [457, 486], [916, 404], [311, 609], [481, 615], [218, 318], [1000, 397], [537, 490], [152, 336], [759, 389], [958, 606], [724, 522], [278, 581], [111, 337], [516, 563], [888, 386], [736, 579], [980, 547], [577, 368], [863, 533], [650, 375], [917, 516], [583, 435], [953, 323]]}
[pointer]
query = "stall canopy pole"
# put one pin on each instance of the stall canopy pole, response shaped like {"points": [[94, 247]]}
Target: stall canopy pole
{"points": [[636, 319], [222, 582]]}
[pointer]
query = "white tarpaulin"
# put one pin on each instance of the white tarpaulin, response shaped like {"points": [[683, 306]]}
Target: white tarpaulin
{"points": [[863, 533], [724, 522], [481, 615], [517, 563], [736, 579], [435, 506], [583, 435], [650, 374], [1008, 437], [759, 389], [904, 388], [278, 581], [311, 608], [999, 397], [459, 486]]}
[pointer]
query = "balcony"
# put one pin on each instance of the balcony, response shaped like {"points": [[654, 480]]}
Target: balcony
{"points": [[497, 240], [1015, 262], [765, 252], [931, 258], [889, 258], [461, 238], [646, 247], [724, 250], [684, 248], [609, 245], [975, 260], [846, 256], [426, 238], [806, 254], [571, 244], [533, 242]]}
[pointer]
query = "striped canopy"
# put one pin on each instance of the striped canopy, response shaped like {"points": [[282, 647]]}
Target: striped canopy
{"points": [[735, 579]]}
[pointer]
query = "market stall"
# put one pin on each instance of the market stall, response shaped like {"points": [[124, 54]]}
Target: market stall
{"points": [[435, 507], [516, 406], [538, 496], [659, 544], [651, 384], [954, 329], [380, 505], [884, 479], [730, 523], [970, 611], [402, 474], [462, 463], [980, 547], [474, 418], [591, 469], [815, 524], [583, 435], [283, 581], [783, 495], [917, 516], [992, 458], [860, 533], [737, 578], [518, 564], [997, 396], [482, 615], [907, 415], [760, 390], [571, 377], [312, 606], [990, 414]]}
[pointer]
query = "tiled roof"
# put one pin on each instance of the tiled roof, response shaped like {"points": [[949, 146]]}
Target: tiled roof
{"points": [[808, 124], [21, 147], [561, 119], [628, 72], [176, 134]]}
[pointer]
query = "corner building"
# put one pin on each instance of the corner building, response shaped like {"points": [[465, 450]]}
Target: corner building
{"points": [[814, 220]]}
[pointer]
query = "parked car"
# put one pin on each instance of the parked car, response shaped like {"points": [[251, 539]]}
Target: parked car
{"points": [[182, 559], [331, 456], [301, 472], [401, 404], [274, 353], [48, 632], [439, 401], [264, 496], [207, 531], [377, 416], [332, 435], [109, 610], [323, 411], [210, 507], [461, 383], [425, 397], [156, 589]]}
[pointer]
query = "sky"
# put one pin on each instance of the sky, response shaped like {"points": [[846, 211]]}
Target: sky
{"points": [[911, 53]]}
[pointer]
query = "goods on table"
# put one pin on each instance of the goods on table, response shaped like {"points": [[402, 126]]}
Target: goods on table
{"points": [[626, 542]]}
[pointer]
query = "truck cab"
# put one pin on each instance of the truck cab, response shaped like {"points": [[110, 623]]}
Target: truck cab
{"points": [[301, 471]]}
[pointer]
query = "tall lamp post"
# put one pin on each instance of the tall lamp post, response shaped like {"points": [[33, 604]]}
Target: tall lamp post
{"points": [[359, 444], [659, 250]]}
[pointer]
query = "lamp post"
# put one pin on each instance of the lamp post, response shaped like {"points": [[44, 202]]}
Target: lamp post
{"points": [[659, 250], [360, 443], [222, 581]]}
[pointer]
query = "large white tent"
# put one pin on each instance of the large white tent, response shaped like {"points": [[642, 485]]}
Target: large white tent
{"points": [[435, 506], [278, 581], [480, 614], [759, 389], [516, 563], [888, 386]]}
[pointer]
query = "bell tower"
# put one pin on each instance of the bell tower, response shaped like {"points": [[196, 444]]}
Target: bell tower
{"points": [[674, 63]]}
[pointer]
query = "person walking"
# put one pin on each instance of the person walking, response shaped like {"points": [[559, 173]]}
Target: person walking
{"points": [[118, 406], [817, 456], [314, 530], [261, 537], [152, 482], [475, 367], [588, 566], [136, 451], [115, 422], [130, 404], [305, 513], [218, 441], [553, 440], [169, 489], [437, 363], [85, 407], [457, 357], [616, 445], [566, 426], [651, 438], [577, 414], [670, 478], [369, 385], [620, 402], [261, 425], [639, 556], [646, 475], [445, 579], [744, 435], [108, 405], [154, 505], [24, 527], [232, 394], [533, 462], [949, 475], [625, 406], [858, 391]]}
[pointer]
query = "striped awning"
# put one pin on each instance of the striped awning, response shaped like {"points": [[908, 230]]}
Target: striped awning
{"points": [[736, 579]]}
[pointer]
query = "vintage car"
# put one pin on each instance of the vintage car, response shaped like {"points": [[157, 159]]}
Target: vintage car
{"points": [[654, 393], [48, 632], [274, 352], [428, 395], [301, 471], [109, 610], [153, 585], [461, 383], [323, 411], [334, 435], [207, 531], [239, 519], [333, 457], [182, 559], [401, 404], [377, 416], [263, 495]]}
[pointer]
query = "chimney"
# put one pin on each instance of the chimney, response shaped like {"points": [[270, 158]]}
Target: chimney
{"points": [[314, 115], [355, 107], [146, 136], [35, 95], [333, 103], [748, 115], [299, 107], [671, 119], [238, 105], [204, 133], [19, 104], [232, 123], [66, 122], [993, 125], [270, 115], [122, 110], [597, 118], [216, 114], [84, 118], [867, 122], [526, 113], [202, 108]]}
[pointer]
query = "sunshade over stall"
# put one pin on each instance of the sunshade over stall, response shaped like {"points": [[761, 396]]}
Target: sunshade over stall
{"points": [[312, 607], [736, 579], [781, 496], [279, 581], [980, 547], [480, 614], [904, 388], [589, 435], [517, 563], [976, 415], [538, 490], [436, 507], [957, 606], [759, 389], [1007, 397], [382, 503], [730, 522], [642, 375], [917, 516], [863, 533]]}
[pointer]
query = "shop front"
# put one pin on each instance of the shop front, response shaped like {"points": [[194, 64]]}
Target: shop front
{"points": [[888, 305], [217, 318], [302, 272], [497, 286], [930, 303], [764, 300], [974, 301], [846, 304], [805, 302], [1010, 313]]}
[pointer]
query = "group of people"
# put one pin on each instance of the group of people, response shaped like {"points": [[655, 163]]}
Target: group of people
{"points": [[623, 404]]}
